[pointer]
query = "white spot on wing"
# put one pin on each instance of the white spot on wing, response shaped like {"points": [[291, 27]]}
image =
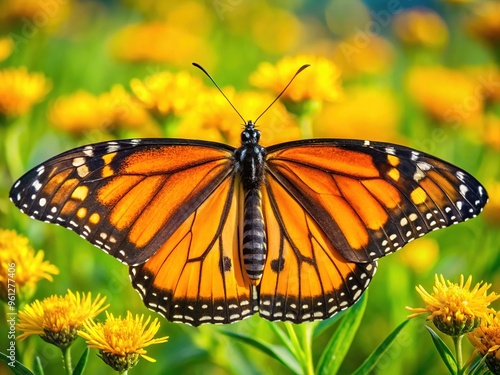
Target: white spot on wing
{"points": [[37, 185], [88, 150], [390, 150]]}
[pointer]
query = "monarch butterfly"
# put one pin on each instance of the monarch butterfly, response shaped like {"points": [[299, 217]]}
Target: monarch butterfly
{"points": [[214, 234]]}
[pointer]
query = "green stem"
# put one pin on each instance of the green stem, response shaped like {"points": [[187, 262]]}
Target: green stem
{"points": [[307, 331], [457, 340], [67, 360], [295, 342]]}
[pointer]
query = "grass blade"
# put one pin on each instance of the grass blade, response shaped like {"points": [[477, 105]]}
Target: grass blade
{"points": [[338, 346], [80, 366], [443, 350], [370, 363], [277, 352], [18, 368]]}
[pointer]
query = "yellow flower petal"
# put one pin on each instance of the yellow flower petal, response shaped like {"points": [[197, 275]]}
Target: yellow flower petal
{"points": [[57, 318], [486, 339], [449, 96], [421, 27], [121, 340], [29, 267], [319, 82], [166, 93], [454, 308], [20, 90]]}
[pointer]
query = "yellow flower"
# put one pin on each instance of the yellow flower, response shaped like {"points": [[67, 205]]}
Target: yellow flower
{"points": [[21, 265], [449, 96], [215, 120], [377, 121], [454, 308], [122, 110], [352, 53], [487, 78], [165, 93], [486, 339], [34, 14], [77, 112], [421, 27], [20, 90], [83, 111], [6, 47], [320, 82], [492, 209], [160, 42], [285, 28], [182, 15], [57, 319], [485, 22], [121, 341]]}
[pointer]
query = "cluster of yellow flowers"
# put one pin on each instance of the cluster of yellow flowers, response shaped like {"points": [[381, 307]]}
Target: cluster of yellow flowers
{"points": [[179, 104], [30, 266], [457, 310], [59, 320]]}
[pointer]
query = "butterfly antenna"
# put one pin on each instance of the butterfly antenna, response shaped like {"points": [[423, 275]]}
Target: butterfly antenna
{"points": [[222, 92], [282, 91]]}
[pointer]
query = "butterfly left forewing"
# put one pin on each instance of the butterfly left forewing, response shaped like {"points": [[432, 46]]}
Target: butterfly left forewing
{"points": [[197, 275], [305, 277], [125, 197]]}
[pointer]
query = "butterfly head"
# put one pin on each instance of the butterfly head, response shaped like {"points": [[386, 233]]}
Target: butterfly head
{"points": [[250, 135]]}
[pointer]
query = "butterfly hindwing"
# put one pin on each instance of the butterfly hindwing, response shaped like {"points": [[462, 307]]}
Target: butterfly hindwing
{"points": [[305, 277], [372, 198], [197, 276], [126, 197]]}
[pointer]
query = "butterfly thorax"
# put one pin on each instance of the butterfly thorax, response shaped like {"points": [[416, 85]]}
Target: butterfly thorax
{"points": [[250, 161]]}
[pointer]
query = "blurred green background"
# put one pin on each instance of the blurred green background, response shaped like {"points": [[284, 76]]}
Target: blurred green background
{"points": [[423, 74]]}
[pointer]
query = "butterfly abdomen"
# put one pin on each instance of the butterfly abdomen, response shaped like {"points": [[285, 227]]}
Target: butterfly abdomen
{"points": [[254, 237], [250, 163]]}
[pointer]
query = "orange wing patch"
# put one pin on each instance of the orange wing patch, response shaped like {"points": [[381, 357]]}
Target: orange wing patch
{"points": [[197, 276], [344, 206], [305, 277], [330, 158], [372, 198], [125, 197]]}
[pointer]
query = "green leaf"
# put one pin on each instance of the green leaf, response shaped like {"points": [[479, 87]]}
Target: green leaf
{"points": [[445, 352], [338, 346], [274, 351], [478, 366], [38, 368], [18, 368], [80, 366], [327, 323], [370, 363], [282, 336]]}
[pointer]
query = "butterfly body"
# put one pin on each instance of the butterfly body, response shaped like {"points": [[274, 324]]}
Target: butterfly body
{"points": [[250, 164], [214, 234]]}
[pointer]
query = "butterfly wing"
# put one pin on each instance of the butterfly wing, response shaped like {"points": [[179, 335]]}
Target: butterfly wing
{"points": [[170, 207], [197, 275], [332, 207], [305, 277], [126, 197]]}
